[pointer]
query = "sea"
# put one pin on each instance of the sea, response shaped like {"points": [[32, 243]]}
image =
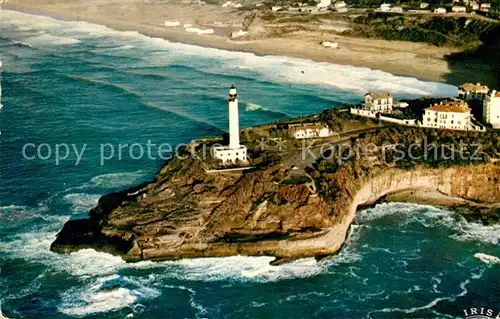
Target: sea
{"points": [[75, 92]]}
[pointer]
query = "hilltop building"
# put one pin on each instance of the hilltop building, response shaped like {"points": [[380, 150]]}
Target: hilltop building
{"points": [[308, 130], [340, 6], [234, 151], [458, 9], [379, 102], [323, 4], [485, 7], [471, 91], [452, 115], [491, 109], [385, 7]]}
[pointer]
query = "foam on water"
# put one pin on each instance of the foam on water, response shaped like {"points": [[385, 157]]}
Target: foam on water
{"points": [[115, 180], [49, 40], [253, 107], [81, 202], [487, 259], [480, 232], [10, 214], [104, 294], [431, 216]]}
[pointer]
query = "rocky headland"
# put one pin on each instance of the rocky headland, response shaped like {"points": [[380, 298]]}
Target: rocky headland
{"points": [[291, 203]]}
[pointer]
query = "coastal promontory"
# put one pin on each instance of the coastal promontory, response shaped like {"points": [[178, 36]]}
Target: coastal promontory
{"points": [[295, 198]]}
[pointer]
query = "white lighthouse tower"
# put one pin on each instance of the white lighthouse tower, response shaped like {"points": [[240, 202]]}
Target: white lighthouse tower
{"points": [[234, 151], [234, 120]]}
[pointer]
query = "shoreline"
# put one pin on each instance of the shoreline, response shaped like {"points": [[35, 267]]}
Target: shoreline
{"points": [[401, 60]]}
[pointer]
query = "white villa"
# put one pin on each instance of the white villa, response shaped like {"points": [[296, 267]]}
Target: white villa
{"points": [[379, 102], [485, 7], [440, 10], [458, 9], [324, 4], [340, 5], [471, 91], [385, 7], [452, 115], [491, 109], [308, 130], [234, 151]]}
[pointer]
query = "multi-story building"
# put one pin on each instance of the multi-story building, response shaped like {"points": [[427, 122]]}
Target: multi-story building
{"points": [[491, 108], [471, 91], [379, 102], [452, 115]]}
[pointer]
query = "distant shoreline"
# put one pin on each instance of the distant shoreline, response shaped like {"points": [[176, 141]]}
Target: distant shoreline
{"points": [[398, 62]]}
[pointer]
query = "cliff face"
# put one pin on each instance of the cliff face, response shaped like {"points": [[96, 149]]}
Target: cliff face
{"points": [[187, 212]]}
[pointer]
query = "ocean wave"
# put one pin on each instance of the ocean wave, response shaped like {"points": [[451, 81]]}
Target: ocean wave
{"points": [[82, 202], [114, 180], [105, 294], [11, 215], [243, 268], [252, 107], [430, 216], [487, 259], [114, 48], [479, 232], [48, 40]]}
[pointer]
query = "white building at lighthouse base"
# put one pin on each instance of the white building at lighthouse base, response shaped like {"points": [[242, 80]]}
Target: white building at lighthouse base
{"points": [[234, 151], [227, 154]]}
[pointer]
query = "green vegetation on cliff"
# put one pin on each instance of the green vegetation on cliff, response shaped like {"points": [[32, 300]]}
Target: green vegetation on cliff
{"points": [[451, 31]]}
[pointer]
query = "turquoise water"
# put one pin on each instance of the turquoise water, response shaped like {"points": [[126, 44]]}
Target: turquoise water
{"points": [[82, 84]]}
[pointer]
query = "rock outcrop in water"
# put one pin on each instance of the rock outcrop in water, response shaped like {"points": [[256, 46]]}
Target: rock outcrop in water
{"points": [[279, 208]]}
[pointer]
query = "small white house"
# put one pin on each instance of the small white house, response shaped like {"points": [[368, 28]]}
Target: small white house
{"points": [[485, 7], [308, 130], [276, 8], [440, 10], [471, 91], [451, 115], [385, 7], [397, 9], [172, 23], [424, 5], [379, 102], [491, 109], [458, 9], [328, 44], [323, 4], [339, 5], [237, 34]]}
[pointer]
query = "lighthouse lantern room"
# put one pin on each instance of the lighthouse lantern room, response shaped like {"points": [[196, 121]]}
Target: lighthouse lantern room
{"points": [[234, 151]]}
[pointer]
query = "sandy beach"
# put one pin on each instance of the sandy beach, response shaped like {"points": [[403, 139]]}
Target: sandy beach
{"points": [[418, 60]]}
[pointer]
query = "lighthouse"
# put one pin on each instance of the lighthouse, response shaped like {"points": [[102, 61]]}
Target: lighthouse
{"points": [[234, 151], [234, 120]]}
